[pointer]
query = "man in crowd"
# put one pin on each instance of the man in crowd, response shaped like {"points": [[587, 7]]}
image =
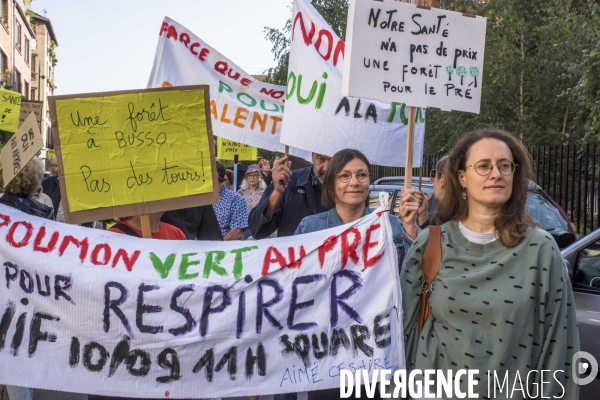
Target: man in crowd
{"points": [[231, 210], [291, 196], [50, 184]]}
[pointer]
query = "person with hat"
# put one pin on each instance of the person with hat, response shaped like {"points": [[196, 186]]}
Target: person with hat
{"points": [[252, 189], [231, 210], [253, 186]]}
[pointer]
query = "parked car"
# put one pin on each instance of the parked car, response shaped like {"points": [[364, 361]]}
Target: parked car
{"points": [[539, 205], [582, 259]]}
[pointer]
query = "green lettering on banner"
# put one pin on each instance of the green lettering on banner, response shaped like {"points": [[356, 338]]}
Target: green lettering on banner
{"points": [[185, 264], [213, 263], [163, 268], [237, 264]]}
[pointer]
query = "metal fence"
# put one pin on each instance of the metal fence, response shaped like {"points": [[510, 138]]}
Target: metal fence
{"points": [[568, 173]]}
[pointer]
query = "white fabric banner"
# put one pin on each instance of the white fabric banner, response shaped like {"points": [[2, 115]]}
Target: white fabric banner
{"points": [[243, 109], [89, 311], [320, 119]]}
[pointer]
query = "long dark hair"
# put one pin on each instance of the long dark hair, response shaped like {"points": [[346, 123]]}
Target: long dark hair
{"points": [[336, 165], [512, 221]]}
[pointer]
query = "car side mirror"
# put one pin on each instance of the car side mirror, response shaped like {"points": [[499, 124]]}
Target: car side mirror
{"points": [[569, 268]]}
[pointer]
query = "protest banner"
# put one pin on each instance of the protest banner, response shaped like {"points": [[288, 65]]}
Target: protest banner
{"points": [[319, 118], [104, 313], [227, 150], [20, 148], [134, 152], [242, 108], [34, 107], [50, 153], [421, 56], [10, 107]]}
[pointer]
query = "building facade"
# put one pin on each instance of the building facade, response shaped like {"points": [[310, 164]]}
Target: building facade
{"points": [[42, 72]]}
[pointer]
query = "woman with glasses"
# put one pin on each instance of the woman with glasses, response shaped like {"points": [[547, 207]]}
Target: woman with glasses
{"points": [[252, 189], [346, 190], [501, 300]]}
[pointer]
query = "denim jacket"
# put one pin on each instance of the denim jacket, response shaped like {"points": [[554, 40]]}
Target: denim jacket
{"points": [[330, 219]]}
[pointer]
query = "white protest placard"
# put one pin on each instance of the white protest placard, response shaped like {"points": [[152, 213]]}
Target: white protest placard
{"points": [[243, 109], [90, 311], [415, 55], [320, 119], [22, 146]]}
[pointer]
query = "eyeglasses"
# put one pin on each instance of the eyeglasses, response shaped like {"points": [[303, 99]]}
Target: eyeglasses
{"points": [[345, 176], [253, 176], [53, 165], [432, 174], [485, 168]]}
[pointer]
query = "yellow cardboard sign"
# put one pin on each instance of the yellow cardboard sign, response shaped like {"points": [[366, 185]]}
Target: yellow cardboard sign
{"points": [[10, 109], [21, 148], [50, 153], [133, 148], [227, 149]]}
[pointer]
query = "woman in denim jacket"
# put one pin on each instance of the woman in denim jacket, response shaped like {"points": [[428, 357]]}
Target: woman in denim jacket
{"points": [[346, 190]]}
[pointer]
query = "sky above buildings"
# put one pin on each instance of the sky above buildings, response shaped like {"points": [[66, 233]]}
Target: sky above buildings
{"points": [[106, 45]]}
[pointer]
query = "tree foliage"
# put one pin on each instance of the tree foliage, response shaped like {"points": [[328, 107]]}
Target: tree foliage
{"points": [[541, 75]]}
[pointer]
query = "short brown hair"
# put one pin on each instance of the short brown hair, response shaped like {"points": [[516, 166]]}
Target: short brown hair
{"points": [[336, 165], [27, 181], [512, 221]]}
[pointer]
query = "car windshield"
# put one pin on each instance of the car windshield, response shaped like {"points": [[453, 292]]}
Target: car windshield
{"points": [[545, 213]]}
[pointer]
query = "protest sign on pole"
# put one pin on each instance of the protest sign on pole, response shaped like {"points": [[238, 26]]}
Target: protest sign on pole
{"points": [[134, 152], [416, 55], [243, 109], [421, 56], [319, 118], [228, 149], [20, 148], [34, 107], [109, 314], [10, 108]]}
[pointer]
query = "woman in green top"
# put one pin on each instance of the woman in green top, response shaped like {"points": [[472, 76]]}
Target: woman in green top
{"points": [[502, 301]]}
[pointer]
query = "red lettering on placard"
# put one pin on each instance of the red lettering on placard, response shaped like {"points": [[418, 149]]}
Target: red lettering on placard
{"points": [[37, 244], [272, 256], [10, 237], [307, 37], [349, 248], [81, 244], [369, 262], [325, 248]]}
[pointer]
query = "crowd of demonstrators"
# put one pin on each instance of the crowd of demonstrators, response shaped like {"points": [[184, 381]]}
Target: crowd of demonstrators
{"points": [[231, 210], [51, 186], [498, 271], [501, 300]]}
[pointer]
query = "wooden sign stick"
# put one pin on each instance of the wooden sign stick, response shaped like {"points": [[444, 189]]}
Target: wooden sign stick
{"points": [[410, 146], [146, 229]]}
